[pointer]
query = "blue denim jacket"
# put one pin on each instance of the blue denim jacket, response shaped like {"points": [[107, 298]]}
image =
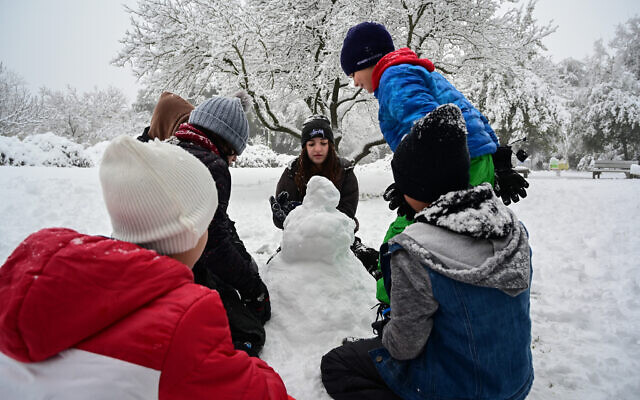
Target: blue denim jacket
{"points": [[458, 361], [479, 344]]}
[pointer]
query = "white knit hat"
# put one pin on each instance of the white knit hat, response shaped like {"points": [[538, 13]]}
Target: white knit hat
{"points": [[158, 195]]}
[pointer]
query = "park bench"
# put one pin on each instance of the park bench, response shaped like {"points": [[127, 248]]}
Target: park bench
{"points": [[522, 170], [600, 166]]}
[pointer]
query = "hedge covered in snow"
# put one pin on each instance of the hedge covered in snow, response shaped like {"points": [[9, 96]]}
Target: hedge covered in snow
{"points": [[50, 150]]}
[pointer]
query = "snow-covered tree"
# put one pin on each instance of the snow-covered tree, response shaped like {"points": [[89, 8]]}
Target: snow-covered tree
{"points": [[285, 53], [90, 117], [627, 45], [20, 111], [611, 115]]}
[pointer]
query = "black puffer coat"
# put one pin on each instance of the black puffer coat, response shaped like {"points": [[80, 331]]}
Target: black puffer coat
{"points": [[224, 254], [347, 186]]}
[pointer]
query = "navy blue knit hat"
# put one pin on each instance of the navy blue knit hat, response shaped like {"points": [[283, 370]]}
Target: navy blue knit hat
{"points": [[364, 45], [433, 159]]}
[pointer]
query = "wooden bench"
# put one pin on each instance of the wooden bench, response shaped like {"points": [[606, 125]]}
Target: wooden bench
{"points": [[522, 170], [600, 166]]}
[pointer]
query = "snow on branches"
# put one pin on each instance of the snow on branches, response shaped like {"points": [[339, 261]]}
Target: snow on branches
{"points": [[285, 54]]}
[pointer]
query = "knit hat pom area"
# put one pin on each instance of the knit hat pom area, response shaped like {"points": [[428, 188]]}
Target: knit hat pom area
{"points": [[157, 194], [433, 159], [364, 45], [226, 117]]}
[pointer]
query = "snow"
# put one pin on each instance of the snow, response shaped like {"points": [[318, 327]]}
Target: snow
{"points": [[585, 303]]}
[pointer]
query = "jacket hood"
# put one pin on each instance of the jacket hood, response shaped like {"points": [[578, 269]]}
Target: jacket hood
{"points": [[401, 56], [60, 287], [170, 112], [471, 237]]}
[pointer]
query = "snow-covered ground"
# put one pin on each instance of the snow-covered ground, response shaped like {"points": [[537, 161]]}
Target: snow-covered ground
{"points": [[585, 236]]}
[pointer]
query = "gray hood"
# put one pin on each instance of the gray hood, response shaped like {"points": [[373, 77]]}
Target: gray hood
{"points": [[471, 237]]}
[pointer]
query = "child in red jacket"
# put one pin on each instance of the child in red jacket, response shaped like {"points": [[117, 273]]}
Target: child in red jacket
{"points": [[90, 316]]}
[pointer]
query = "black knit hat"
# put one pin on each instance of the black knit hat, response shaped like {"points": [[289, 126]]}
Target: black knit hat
{"points": [[316, 126], [364, 45], [433, 159]]}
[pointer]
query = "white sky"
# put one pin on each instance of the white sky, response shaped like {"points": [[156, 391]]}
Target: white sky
{"points": [[55, 43]]}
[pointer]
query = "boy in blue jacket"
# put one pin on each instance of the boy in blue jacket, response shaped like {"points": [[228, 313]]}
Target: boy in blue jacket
{"points": [[458, 281], [408, 88]]}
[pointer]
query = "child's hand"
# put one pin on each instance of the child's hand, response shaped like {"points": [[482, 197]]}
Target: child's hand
{"points": [[396, 200], [281, 207], [510, 185], [278, 213]]}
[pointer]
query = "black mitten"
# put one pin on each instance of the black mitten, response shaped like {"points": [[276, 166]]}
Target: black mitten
{"points": [[396, 200], [510, 185], [281, 207], [276, 209], [367, 256], [259, 303]]}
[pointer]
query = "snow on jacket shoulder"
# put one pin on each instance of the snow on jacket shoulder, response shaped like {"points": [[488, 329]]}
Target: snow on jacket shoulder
{"points": [[87, 316]]}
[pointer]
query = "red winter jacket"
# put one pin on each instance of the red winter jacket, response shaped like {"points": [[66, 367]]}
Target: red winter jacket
{"points": [[91, 317]]}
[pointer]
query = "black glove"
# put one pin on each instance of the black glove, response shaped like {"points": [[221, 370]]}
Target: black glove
{"points": [[396, 200], [258, 303], [382, 318], [367, 256], [145, 135], [281, 207], [378, 326], [510, 185]]}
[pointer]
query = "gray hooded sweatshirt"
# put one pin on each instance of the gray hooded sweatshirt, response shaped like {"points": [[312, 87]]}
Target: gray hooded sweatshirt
{"points": [[468, 236]]}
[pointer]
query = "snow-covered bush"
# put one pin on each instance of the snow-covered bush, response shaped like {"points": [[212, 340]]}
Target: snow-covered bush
{"points": [[94, 153], [260, 156], [45, 149], [48, 149]]}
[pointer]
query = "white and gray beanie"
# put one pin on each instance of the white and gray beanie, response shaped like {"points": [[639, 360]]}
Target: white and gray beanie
{"points": [[157, 194], [226, 117]]}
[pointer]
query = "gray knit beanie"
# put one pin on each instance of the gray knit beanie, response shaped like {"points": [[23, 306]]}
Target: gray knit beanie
{"points": [[226, 117]]}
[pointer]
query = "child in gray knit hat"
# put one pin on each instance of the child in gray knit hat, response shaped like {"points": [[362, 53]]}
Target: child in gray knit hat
{"points": [[217, 132]]}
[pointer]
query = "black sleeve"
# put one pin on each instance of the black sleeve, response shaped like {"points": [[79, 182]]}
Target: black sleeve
{"points": [[225, 254], [349, 194], [288, 184]]}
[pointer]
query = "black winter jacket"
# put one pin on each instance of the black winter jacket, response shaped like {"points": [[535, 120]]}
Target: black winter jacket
{"points": [[224, 254], [347, 186]]}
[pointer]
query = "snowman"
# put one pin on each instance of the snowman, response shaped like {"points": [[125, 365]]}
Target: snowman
{"points": [[320, 292]]}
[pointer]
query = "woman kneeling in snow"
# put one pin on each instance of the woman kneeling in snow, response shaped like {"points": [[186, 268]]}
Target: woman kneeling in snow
{"points": [[318, 157]]}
